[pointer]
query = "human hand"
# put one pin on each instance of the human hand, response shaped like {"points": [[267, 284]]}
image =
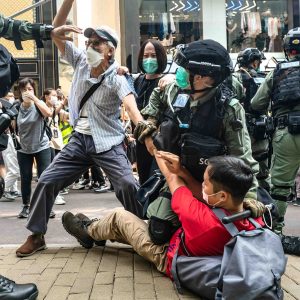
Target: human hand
{"points": [[28, 96], [61, 31], [257, 208], [164, 81], [172, 161], [149, 145], [122, 70]]}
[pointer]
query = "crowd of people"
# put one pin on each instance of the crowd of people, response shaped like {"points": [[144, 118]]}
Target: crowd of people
{"points": [[208, 130]]}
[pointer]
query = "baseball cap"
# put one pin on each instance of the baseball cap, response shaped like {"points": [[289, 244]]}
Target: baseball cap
{"points": [[105, 33]]}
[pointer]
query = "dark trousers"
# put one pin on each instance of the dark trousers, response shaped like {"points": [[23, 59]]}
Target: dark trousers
{"points": [[96, 174], [43, 159], [75, 158]]}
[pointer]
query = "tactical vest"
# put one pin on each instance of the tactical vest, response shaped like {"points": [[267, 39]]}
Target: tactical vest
{"points": [[251, 85], [286, 83], [204, 136]]}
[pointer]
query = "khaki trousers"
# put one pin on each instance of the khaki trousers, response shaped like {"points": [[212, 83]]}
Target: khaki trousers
{"points": [[124, 227]]}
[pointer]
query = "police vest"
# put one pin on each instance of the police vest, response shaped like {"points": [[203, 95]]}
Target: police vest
{"points": [[203, 137], [251, 81], [286, 83]]}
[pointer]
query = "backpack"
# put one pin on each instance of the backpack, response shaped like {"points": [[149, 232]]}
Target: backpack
{"points": [[250, 268], [9, 71]]}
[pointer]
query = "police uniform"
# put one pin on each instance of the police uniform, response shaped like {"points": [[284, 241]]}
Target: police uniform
{"points": [[233, 132], [256, 124], [278, 86], [18, 31]]}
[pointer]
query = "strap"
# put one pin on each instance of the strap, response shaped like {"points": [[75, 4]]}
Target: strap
{"points": [[5, 27], [231, 228], [45, 122], [16, 34], [36, 35], [90, 92]]}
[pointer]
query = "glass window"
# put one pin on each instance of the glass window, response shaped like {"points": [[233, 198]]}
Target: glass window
{"points": [[259, 24], [171, 22]]}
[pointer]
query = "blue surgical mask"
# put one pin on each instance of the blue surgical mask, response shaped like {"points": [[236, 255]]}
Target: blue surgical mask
{"points": [[150, 65], [182, 78]]}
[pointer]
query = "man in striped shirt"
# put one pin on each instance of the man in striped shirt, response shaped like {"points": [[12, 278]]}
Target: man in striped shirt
{"points": [[98, 137]]}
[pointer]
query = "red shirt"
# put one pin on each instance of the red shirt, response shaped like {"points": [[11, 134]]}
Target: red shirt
{"points": [[204, 233]]}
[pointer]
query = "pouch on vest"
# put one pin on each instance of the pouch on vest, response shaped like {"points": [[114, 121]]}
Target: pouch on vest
{"points": [[167, 137], [150, 189], [196, 149], [160, 230], [294, 122]]}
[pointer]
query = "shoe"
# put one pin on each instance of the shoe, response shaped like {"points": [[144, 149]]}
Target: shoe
{"points": [[52, 214], [34, 243], [8, 197], [9, 290], [59, 200], [65, 191], [83, 217], [78, 186], [78, 228], [24, 212], [94, 185], [102, 189], [17, 194], [297, 202], [291, 244]]}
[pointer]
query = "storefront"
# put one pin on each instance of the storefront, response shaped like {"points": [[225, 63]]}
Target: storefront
{"points": [[237, 24]]}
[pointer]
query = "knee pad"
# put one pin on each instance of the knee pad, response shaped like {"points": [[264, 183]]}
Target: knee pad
{"points": [[160, 230]]}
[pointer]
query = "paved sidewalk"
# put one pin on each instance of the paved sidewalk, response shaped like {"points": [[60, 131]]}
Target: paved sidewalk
{"points": [[113, 272]]}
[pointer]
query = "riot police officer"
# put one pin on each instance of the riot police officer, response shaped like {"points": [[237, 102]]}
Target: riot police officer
{"points": [[281, 88], [198, 117], [248, 74]]}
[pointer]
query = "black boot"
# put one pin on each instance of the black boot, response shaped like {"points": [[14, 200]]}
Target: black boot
{"points": [[291, 244], [9, 290]]}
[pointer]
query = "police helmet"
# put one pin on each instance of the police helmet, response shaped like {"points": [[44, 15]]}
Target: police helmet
{"points": [[291, 41], [249, 55], [2, 186], [206, 58]]}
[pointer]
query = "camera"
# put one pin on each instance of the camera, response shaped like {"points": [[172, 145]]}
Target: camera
{"points": [[9, 113]]}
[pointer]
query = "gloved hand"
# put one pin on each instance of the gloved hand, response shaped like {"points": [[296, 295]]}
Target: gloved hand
{"points": [[144, 129], [257, 208]]}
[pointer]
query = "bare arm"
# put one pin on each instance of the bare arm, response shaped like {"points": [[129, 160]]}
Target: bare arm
{"points": [[60, 21], [131, 108]]}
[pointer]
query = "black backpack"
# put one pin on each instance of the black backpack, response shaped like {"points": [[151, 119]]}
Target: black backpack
{"points": [[9, 71]]}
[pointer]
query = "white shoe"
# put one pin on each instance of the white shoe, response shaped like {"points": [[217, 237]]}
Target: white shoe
{"points": [[59, 200]]}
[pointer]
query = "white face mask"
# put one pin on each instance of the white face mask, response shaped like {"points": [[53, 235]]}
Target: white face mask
{"points": [[206, 198], [53, 100], [93, 57]]}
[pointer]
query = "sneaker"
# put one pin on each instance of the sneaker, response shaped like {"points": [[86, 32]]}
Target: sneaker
{"points": [[65, 191], [102, 189], [52, 214], [291, 244], [297, 202], [24, 212], [34, 243], [78, 186], [83, 217], [8, 196], [59, 200], [17, 194], [94, 185], [12, 291], [78, 228]]}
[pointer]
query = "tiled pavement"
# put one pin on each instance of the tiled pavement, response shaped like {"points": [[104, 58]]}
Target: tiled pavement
{"points": [[113, 272]]}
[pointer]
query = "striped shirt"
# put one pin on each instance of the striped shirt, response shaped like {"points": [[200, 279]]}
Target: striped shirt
{"points": [[103, 107]]}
